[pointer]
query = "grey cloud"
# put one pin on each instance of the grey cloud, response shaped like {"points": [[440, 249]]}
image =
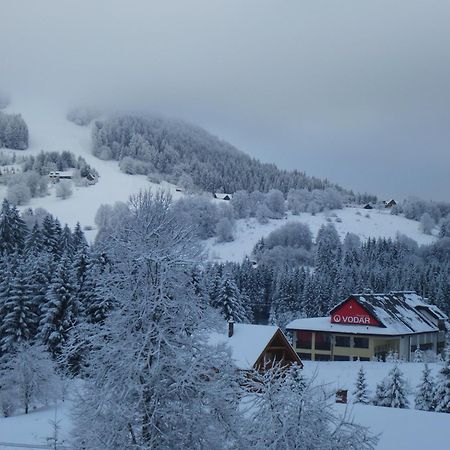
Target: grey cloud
{"points": [[354, 91]]}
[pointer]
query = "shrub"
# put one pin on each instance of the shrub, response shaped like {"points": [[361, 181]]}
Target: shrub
{"points": [[64, 189]]}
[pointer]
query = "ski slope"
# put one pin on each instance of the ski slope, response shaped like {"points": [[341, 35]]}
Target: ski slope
{"points": [[364, 223], [51, 131]]}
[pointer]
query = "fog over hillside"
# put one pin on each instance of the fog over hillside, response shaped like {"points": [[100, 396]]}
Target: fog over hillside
{"points": [[355, 92]]}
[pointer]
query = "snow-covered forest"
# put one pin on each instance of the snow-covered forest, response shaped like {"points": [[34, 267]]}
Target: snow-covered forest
{"points": [[190, 156]]}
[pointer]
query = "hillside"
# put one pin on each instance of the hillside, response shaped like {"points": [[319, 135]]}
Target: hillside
{"points": [[365, 224], [51, 131]]}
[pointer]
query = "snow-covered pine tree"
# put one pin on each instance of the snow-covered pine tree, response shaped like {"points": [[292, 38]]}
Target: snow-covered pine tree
{"points": [[395, 390], [12, 229], [418, 355], [51, 231], [19, 322], [33, 242], [78, 238], [229, 300], [442, 392], [425, 391], [361, 393], [60, 311]]}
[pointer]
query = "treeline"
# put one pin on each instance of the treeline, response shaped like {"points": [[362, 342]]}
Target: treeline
{"points": [[190, 156], [295, 277], [48, 281], [13, 131], [429, 213]]}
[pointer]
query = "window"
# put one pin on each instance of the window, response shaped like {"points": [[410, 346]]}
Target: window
{"points": [[323, 341], [364, 359], [341, 358], [342, 341], [359, 342], [305, 356], [322, 358], [304, 339]]}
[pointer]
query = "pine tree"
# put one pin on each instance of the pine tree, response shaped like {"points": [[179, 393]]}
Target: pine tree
{"points": [[33, 242], [19, 320], [12, 229], [425, 391], [360, 394], [395, 390], [380, 394], [60, 310], [418, 355], [442, 393], [229, 300]]}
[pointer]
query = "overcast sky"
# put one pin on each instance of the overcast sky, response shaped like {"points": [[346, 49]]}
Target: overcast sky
{"points": [[356, 91]]}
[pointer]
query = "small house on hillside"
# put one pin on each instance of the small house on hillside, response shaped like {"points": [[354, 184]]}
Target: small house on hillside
{"points": [[368, 206], [390, 204], [256, 346], [222, 196], [57, 175]]}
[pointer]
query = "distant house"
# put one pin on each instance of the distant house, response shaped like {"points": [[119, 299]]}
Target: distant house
{"points": [[390, 204], [256, 346], [222, 196], [368, 206], [57, 175], [366, 326]]}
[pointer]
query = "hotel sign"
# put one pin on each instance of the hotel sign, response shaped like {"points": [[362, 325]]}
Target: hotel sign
{"points": [[352, 313]]}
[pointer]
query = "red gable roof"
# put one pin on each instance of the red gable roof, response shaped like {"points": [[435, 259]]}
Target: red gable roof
{"points": [[350, 312]]}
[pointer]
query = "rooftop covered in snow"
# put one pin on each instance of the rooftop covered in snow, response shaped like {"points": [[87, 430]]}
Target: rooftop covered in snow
{"points": [[397, 313]]}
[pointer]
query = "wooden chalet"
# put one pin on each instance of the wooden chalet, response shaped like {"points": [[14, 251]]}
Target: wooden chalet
{"points": [[370, 326], [390, 203], [222, 196], [256, 346]]}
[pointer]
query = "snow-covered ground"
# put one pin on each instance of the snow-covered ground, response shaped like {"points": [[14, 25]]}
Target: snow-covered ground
{"points": [[405, 429], [36, 427], [399, 429], [379, 223], [51, 131]]}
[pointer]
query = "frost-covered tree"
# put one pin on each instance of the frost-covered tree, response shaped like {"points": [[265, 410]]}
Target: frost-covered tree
{"points": [[427, 223], [442, 392], [19, 321], [229, 300], [64, 189], [29, 375], [425, 391], [224, 230], [418, 355], [152, 382], [361, 393], [393, 391], [287, 415], [60, 310]]}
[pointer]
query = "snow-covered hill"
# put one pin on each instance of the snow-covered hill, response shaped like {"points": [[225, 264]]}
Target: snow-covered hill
{"points": [[51, 131], [364, 223]]}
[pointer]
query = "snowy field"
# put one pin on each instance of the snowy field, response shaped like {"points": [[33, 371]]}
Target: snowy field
{"points": [[399, 429], [51, 131], [380, 223], [406, 429]]}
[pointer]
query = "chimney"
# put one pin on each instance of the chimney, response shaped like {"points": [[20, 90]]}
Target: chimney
{"points": [[230, 328]]}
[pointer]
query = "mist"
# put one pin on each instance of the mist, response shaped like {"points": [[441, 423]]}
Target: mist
{"points": [[357, 92]]}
